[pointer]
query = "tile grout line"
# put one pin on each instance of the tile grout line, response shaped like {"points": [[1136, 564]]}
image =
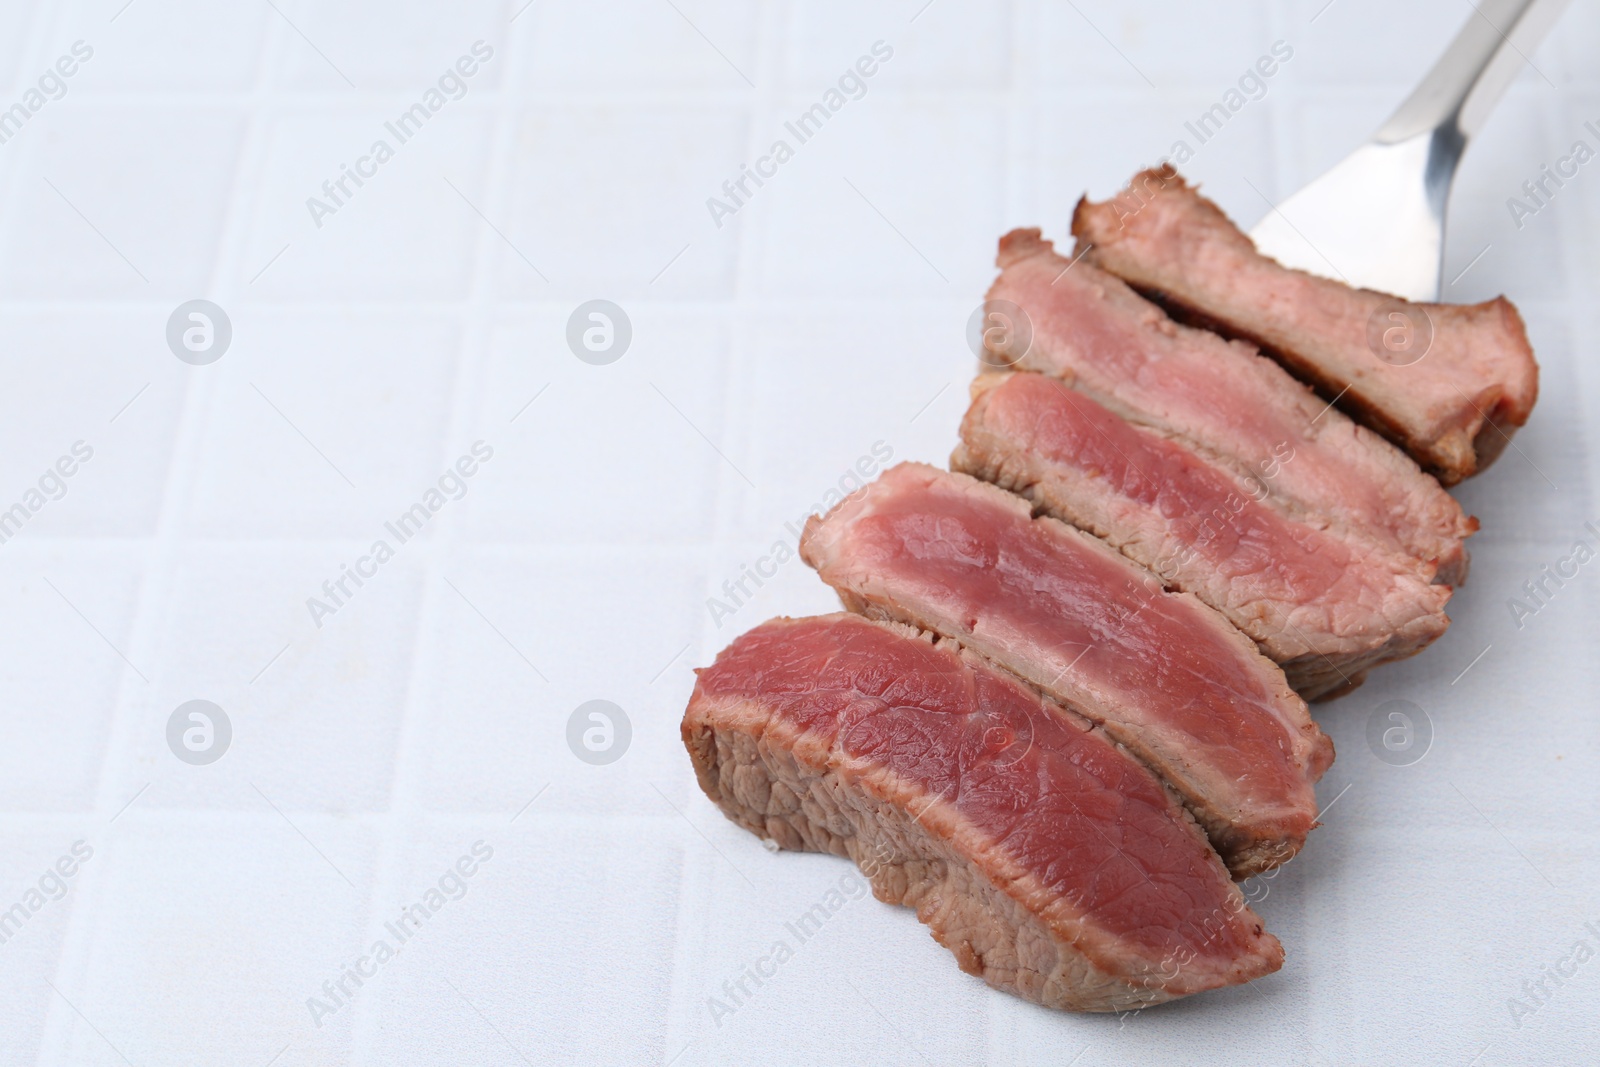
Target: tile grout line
{"points": [[60, 1022], [158, 564], [734, 502], [474, 353], [407, 775]]}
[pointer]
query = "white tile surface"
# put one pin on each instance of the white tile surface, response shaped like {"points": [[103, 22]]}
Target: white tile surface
{"points": [[962, 45], [884, 217], [376, 46], [598, 225], [639, 46], [335, 437], [1149, 44], [768, 357], [146, 227], [177, 45], [405, 216], [53, 737]]}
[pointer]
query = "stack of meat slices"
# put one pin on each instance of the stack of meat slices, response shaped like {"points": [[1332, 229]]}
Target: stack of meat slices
{"points": [[1452, 400], [1067, 709]]}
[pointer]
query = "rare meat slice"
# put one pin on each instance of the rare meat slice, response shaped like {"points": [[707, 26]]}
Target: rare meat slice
{"points": [[1449, 383], [1090, 329], [1051, 862], [1165, 675], [1325, 604]]}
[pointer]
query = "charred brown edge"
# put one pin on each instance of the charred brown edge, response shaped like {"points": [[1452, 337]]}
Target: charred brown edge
{"points": [[1488, 441], [1348, 397], [701, 742], [1143, 992], [1497, 428]]}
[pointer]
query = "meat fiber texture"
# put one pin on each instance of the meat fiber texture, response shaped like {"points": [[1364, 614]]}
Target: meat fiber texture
{"points": [[1449, 383], [1165, 675], [1049, 860], [1222, 398], [1326, 604]]}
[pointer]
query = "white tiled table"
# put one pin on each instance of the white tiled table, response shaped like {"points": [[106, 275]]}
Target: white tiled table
{"points": [[769, 355]]}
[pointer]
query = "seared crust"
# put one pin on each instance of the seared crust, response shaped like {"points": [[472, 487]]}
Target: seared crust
{"points": [[1453, 410], [1001, 923]]}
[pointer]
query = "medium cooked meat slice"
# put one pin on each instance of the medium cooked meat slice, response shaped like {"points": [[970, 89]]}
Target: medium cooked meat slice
{"points": [[1050, 861], [1325, 604], [1165, 675], [1452, 385], [1090, 329]]}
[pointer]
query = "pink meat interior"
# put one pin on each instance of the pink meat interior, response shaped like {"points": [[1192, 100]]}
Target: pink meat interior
{"points": [[1080, 815]]}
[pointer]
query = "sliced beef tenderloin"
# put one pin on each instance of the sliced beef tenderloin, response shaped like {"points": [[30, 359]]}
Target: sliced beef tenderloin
{"points": [[1325, 603], [1050, 861], [1224, 398], [1449, 383], [1165, 675]]}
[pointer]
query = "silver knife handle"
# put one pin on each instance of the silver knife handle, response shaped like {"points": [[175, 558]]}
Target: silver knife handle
{"points": [[1467, 81]]}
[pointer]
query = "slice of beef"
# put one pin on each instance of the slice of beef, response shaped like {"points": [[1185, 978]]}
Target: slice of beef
{"points": [[1165, 675], [1223, 398], [1453, 382], [1324, 603], [1050, 861]]}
